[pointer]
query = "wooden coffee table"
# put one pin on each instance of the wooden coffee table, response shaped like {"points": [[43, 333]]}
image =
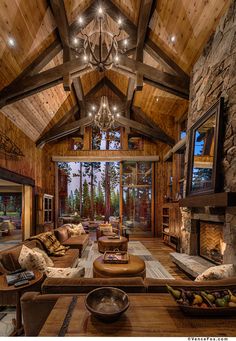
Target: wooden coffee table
{"points": [[110, 244], [6, 289], [152, 315]]}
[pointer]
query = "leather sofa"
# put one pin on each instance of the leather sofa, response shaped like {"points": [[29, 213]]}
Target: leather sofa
{"points": [[9, 262], [78, 242], [53, 288]]}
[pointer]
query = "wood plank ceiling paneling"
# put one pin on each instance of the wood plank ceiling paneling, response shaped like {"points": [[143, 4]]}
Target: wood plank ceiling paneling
{"points": [[31, 24]]}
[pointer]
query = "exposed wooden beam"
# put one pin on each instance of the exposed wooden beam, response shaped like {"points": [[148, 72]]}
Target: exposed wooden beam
{"points": [[144, 17], [42, 60], [163, 80], [64, 130], [129, 96], [44, 80], [144, 130], [70, 114], [114, 89], [59, 13], [156, 52], [161, 57], [80, 95], [95, 89], [151, 123]]}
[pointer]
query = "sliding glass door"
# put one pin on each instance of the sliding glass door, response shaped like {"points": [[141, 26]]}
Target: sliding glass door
{"points": [[137, 197]]}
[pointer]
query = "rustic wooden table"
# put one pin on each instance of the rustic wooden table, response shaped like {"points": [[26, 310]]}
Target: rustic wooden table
{"points": [[6, 289], [148, 315]]}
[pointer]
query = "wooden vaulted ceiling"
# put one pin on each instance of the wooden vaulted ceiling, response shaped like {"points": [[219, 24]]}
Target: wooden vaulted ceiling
{"points": [[33, 26]]}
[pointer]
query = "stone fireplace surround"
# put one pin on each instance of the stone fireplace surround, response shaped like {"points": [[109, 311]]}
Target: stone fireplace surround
{"points": [[190, 226], [214, 76]]}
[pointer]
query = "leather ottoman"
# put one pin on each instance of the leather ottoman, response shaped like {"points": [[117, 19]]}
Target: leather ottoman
{"points": [[108, 244], [134, 268]]}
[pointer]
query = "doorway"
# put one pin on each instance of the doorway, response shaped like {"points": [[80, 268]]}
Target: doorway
{"points": [[11, 227]]}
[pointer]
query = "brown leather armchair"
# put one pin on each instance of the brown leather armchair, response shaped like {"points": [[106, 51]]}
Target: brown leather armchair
{"points": [[100, 232]]}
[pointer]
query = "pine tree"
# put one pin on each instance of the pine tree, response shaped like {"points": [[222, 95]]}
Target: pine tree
{"points": [[100, 203], [90, 170], [77, 199], [71, 201], [86, 200]]}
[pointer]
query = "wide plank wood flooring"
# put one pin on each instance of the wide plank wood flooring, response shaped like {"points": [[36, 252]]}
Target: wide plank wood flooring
{"points": [[161, 252]]}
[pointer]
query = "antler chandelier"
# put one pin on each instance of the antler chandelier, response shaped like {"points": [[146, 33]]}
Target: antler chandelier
{"points": [[100, 48], [104, 119]]}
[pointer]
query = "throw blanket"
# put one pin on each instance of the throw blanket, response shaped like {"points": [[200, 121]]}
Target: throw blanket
{"points": [[51, 244]]}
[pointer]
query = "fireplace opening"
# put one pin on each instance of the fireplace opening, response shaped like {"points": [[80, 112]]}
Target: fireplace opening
{"points": [[211, 241]]}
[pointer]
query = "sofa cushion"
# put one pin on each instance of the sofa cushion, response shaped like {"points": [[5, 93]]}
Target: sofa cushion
{"points": [[65, 272], [217, 272], [31, 260], [47, 259], [77, 241], [70, 259], [62, 234], [9, 257]]}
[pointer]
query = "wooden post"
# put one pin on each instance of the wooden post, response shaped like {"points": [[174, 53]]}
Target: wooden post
{"points": [[56, 198]]}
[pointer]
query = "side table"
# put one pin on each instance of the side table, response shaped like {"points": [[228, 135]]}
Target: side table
{"points": [[5, 288]]}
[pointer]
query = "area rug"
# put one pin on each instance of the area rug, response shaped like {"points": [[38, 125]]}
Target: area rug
{"points": [[154, 269]]}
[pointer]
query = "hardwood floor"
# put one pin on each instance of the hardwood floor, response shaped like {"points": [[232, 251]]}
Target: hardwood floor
{"points": [[161, 251]]}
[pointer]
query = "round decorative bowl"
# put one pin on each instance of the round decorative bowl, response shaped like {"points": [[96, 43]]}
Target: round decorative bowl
{"points": [[107, 303]]}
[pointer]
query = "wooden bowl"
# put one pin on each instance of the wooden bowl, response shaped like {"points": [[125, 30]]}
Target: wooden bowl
{"points": [[107, 303]]}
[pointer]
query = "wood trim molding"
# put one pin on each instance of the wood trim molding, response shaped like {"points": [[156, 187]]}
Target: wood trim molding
{"points": [[8, 175], [104, 158]]}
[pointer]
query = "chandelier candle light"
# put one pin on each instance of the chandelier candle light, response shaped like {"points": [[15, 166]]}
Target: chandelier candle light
{"points": [[104, 119], [100, 48]]}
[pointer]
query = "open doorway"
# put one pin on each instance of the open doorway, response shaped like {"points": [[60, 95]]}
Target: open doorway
{"points": [[11, 231], [89, 191]]}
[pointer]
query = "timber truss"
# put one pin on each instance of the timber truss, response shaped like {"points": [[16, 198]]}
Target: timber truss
{"points": [[32, 81]]}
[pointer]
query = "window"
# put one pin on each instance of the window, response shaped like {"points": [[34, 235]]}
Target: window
{"points": [[48, 208], [77, 143], [106, 140]]}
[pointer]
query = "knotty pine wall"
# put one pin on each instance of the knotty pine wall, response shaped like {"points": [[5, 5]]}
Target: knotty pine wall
{"points": [[36, 163]]}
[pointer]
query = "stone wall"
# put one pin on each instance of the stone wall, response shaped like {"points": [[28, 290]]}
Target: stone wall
{"points": [[214, 76]]}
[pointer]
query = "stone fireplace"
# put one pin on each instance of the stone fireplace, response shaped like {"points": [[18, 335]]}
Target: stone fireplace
{"points": [[209, 233], [209, 228]]}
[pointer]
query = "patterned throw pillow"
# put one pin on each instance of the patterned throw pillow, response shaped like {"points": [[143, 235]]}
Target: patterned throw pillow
{"points": [[65, 272], [76, 230], [79, 227], [47, 259], [217, 272], [31, 260]]}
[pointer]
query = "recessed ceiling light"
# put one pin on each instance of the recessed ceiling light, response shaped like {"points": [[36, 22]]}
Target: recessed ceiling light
{"points": [[173, 39], [11, 42], [75, 40], [80, 20]]}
